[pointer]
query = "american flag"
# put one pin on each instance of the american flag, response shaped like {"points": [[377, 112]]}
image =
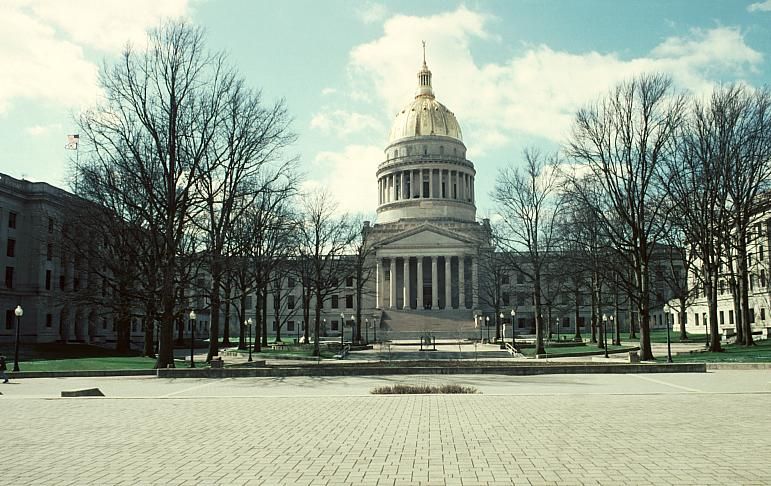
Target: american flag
{"points": [[72, 142]]}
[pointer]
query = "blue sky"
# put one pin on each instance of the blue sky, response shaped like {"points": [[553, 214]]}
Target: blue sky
{"points": [[513, 71]]}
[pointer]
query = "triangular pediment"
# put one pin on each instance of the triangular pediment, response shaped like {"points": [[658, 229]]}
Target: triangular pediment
{"points": [[429, 237]]}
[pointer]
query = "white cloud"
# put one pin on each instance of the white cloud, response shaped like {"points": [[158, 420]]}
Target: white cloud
{"points": [[328, 91], [37, 130], [760, 6], [42, 44], [343, 123], [371, 12], [536, 92], [350, 177]]}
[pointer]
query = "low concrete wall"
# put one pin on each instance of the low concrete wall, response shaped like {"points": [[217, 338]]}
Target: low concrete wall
{"points": [[738, 366], [80, 373], [519, 370]]}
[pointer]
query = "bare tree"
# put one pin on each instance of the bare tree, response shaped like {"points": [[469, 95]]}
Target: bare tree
{"points": [[323, 239], [624, 140], [529, 204]]}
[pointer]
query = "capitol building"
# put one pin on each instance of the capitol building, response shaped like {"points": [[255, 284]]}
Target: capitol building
{"points": [[427, 242]]}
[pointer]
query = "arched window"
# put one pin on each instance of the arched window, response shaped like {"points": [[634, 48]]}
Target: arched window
{"points": [[425, 149], [441, 150]]}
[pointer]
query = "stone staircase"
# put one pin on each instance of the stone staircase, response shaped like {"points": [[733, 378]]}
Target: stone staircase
{"points": [[450, 324]]}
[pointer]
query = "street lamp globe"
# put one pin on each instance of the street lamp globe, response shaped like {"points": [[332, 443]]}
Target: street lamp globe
{"points": [[18, 311], [192, 315]]}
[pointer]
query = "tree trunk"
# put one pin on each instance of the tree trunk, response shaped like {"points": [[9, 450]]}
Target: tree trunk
{"points": [[744, 291], [241, 320], [539, 347], [646, 353], [737, 310], [214, 305], [265, 315], [316, 325], [683, 320], [148, 326], [577, 338], [714, 334], [257, 344], [226, 320]]}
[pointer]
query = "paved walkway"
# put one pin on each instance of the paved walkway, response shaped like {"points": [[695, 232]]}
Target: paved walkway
{"points": [[708, 428]]}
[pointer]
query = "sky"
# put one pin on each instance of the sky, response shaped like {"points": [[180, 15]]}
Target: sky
{"points": [[514, 72]]}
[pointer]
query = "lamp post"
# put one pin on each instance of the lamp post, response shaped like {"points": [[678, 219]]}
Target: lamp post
{"points": [[669, 344], [249, 325], [612, 325], [374, 327], [487, 325], [557, 323], [353, 328], [192, 317], [476, 324], [366, 331], [513, 341], [604, 333], [19, 312], [500, 324], [342, 329]]}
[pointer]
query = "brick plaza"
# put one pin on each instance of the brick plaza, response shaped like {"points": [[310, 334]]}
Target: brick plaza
{"points": [[709, 428]]}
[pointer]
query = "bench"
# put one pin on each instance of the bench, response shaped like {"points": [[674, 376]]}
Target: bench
{"points": [[278, 346]]}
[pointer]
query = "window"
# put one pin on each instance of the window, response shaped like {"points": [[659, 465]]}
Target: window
{"points": [[520, 278], [49, 251], [290, 282], [506, 300], [11, 220], [752, 281], [762, 313], [752, 315], [9, 319], [760, 253], [9, 277], [334, 325], [49, 320], [133, 325], [335, 304], [50, 225], [61, 282], [349, 282], [520, 299], [581, 321], [349, 301], [722, 318], [10, 247], [290, 326], [48, 279], [104, 323], [521, 322], [762, 278], [290, 302], [248, 301], [730, 317], [505, 280]]}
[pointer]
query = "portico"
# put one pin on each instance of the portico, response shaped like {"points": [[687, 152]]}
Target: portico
{"points": [[426, 282]]}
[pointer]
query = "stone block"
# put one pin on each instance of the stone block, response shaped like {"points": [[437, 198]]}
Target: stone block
{"points": [[634, 357], [84, 392], [217, 362]]}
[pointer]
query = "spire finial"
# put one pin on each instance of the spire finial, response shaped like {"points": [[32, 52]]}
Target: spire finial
{"points": [[424, 52]]}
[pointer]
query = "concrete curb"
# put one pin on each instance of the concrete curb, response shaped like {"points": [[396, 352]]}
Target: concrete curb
{"points": [[589, 368], [738, 366]]}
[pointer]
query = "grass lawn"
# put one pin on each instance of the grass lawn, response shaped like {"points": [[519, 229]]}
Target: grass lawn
{"points": [[588, 349], [660, 336], [76, 364], [733, 353], [292, 351]]}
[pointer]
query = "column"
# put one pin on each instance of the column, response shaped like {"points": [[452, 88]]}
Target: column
{"points": [[430, 182], [447, 282], [420, 191], [378, 283], [434, 284], [392, 284], [419, 281], [474, 285], [461, 282], [393, 187], [406, 282]]}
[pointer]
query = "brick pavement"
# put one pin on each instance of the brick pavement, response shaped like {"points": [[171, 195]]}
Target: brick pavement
{"points": [[590, 430]]}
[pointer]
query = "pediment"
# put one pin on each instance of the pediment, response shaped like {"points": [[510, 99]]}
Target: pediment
{"points": [[428, 237]]}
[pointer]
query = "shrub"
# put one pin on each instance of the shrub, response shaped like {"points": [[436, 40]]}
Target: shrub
{"points": [[421, 389]]}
